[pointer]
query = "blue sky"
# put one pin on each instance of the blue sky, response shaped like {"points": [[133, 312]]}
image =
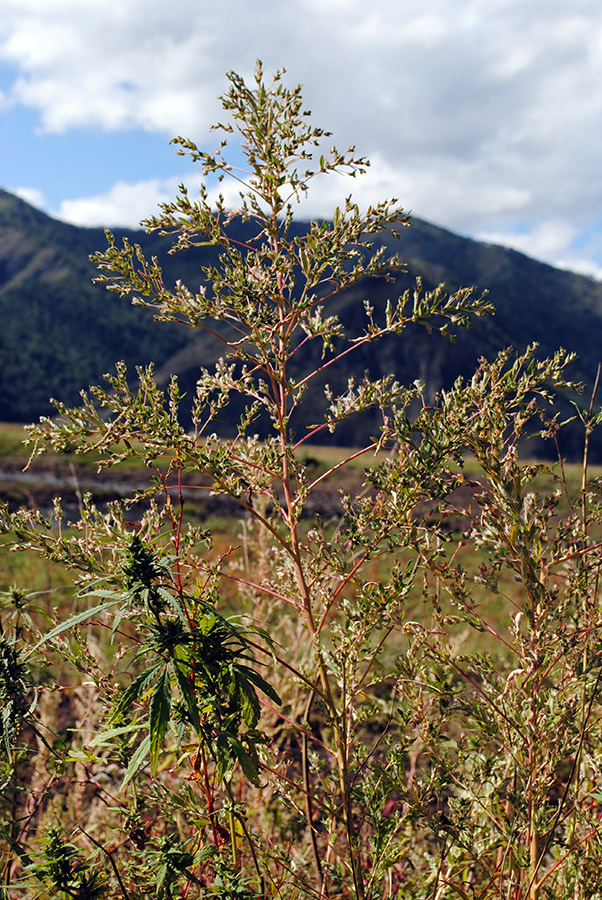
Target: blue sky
{"points": [[483, 116]]}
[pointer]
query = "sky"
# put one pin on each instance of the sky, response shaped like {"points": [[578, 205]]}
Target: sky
{"points": [[481, 116]]}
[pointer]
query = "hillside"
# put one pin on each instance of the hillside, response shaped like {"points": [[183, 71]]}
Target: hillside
{"points": [[60, 332]]}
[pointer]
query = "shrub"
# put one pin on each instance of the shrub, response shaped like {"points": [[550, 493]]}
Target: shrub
{"points": [[400, 699]]}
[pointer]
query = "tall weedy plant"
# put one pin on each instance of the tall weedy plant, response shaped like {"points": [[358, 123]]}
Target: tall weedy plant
{"points": [[400, 700]]}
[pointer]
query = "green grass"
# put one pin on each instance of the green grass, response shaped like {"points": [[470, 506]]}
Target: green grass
{"points": [[32, 573], [12, 446], [11, 441]]}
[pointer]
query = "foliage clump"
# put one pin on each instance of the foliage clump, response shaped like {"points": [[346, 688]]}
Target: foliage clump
{"points": [[401, 699]]}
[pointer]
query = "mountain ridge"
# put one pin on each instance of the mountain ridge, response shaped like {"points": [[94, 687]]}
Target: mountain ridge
{"points": [[61, 332]]}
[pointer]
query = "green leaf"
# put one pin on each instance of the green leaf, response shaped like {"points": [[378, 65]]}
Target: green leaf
{"points": [[135, 690], [71, 623], [161, 875], [105, 736], [136, 760], [159, 716], [80, 756], [173, 601], [250, 703], [260, 683], [189, 697], [247, 763]]}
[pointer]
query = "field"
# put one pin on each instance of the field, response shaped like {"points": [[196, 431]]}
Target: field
{"points": [[70, 476], [437, 699], [75, 771], [281, 672]]}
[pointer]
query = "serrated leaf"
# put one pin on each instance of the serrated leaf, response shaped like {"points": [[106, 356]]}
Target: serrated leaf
{"points": [[260, 683], [80, 756], [159, 716], [135, 690], [247, 763], [189, 697], [106, 736], [250, 703], [71, 623], [119, 615], [136, 761], [173, 601]]}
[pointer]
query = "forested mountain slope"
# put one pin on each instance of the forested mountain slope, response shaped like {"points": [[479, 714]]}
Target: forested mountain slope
{"points": [[60, 332]]}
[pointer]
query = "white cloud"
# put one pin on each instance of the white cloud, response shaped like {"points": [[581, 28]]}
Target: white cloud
{"points": [[541, 242], [581, 266], [31, 195], [126, 204], [476, 115], [551, 241], [123, 205], [130, 65]]}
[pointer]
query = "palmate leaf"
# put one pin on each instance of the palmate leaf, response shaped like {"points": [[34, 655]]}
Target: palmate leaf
{"points": [[173, 601], [159, 713]]}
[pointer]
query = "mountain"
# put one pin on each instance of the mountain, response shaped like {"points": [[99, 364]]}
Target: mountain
{"points": [[60, 332]]}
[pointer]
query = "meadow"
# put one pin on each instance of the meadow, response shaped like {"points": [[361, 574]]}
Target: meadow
{"points": [[244, 668], [70, 762]]}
